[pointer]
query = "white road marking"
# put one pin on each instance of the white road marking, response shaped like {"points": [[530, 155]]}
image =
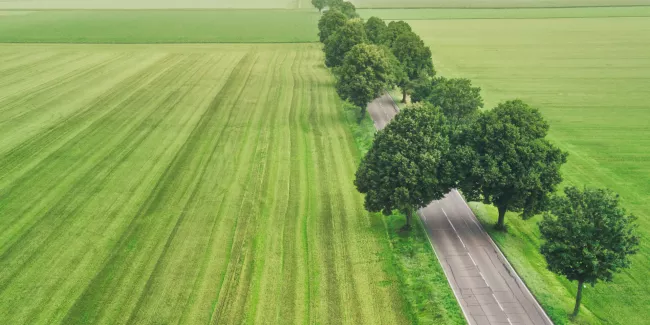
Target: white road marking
{"points": [[484, 280], [452, 226], [470, 257], [495, 299], [517, 278]]}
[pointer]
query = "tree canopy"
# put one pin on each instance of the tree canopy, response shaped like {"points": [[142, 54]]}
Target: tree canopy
{"points": [[375, 30], [588, 237], [510, 164], [414, 56], [346, 7], [365, 72], [407, 167], [329, 22], [393, 30], [353, 32], [456, 97], [319, 4]]}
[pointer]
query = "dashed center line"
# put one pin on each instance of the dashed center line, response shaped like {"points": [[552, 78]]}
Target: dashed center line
{"points": [[452, 226]]}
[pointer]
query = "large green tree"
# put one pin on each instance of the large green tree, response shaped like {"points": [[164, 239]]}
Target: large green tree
{"points": [[588, 237], [415, 58], [423, 87], [353, 32], [456, 97], [319, 4], [407, 167], [346, 7], [365, 72], [329, 22], [375, 30], [393, 30], [510, 164]]}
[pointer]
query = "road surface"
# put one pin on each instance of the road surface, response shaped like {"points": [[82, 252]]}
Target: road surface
{"points": [[488, 290], [382, 110]]}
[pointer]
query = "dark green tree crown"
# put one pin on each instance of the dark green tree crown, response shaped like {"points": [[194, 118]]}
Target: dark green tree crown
{"points": [[588, 237]]}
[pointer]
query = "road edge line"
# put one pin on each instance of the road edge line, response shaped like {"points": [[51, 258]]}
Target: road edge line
{"points": [[433, 248], [512, 269]]}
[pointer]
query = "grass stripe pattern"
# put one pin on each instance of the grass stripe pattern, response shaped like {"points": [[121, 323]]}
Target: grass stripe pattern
{"points": [[198, 184]]}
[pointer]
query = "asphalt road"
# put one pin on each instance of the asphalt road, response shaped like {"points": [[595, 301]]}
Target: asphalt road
{"points": [[487, 288], [382, 110]]}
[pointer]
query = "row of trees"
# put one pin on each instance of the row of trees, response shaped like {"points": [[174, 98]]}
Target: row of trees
{"points": [[444, 141], [368, 57]]}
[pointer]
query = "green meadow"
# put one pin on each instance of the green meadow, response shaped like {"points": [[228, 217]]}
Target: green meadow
{"points": [[159, 26], [148, 182], [193, 184], [507, 13], [590, 77], [494, 3], [154, 4]]}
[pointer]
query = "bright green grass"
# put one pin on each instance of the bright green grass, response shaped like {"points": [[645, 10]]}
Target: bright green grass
{"points": [[194, 184], [520, 13], [152, 4], [494, 3], [160, 26], [590, 78], [423, 283]]}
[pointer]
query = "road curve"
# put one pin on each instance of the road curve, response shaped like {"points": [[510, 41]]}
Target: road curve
{"points": [[486, 286]]}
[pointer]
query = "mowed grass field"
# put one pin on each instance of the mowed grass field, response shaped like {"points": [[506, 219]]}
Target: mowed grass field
{"points": [[519, 13], [159, 26], [494, 3], [195, 184], [591, 79], [153, 4]]}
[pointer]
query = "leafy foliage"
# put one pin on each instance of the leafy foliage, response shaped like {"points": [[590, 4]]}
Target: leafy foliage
{"points": [[407, 166], [346, 7], [423, 87], [588, 237], [414, 56], [329, 22], [396, 68], [509, 163], [393, 30], [353, 32], [319, 4], [365, 72], [375, 30], [456, 97]]}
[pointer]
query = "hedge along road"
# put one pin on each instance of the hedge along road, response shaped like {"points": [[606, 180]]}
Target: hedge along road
{"points": [[488, 289]]}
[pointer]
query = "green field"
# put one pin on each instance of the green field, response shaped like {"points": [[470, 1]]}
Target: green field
{"points": [[159, 26], [494, 3], [153, 4], [590, 77], [183, 183], [519, 13]]}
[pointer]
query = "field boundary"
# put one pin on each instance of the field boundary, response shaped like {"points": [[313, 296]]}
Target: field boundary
{"points": [[476, 8]]}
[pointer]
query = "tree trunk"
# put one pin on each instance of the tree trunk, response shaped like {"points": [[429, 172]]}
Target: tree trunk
{"points": [[403, 95], [409, 216], [502, 216], [578, 298]]}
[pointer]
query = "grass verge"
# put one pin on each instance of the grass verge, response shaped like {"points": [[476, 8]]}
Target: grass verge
{"points": [[409, 259]]}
